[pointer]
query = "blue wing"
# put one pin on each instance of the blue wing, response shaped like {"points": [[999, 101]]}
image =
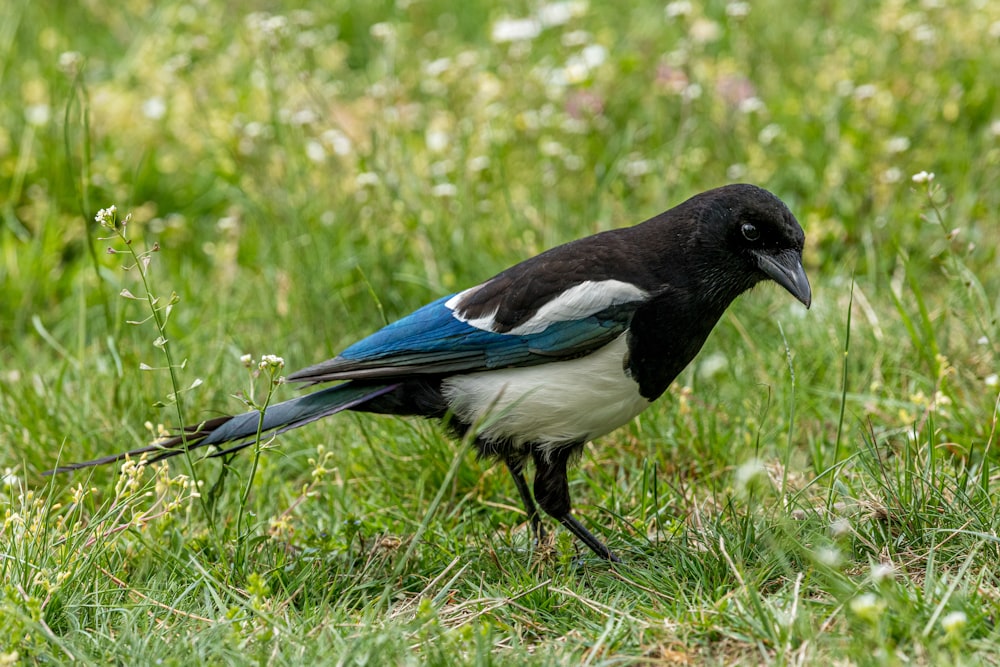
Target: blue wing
{"points": [[435, 340]]}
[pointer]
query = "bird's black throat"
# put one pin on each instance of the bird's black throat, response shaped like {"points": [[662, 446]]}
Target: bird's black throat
{"points": [[664, 336]]}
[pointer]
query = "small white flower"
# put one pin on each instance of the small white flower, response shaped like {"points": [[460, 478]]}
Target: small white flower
{"points": [[581, 38], [314, 151], [897, 144], [983, 340], [751, 105], [9, 477], [594, 55], [924, 34], [106, 216], [271, 361], [923, 177], [769, 133], [840, 527], [637, 167], [274, 26], [37, 114], [246, 360], [366, 179], [303, 117], [560, 13], [868, 606], [436, 68], [892, 175], [677, 8], [437, 140], [992, 380], [70, 62], [865, 91], [712, 365], [444, 190], [382, 31], [954, 621], [154, 108], [737, 10], [478, 163], [254, 129], [515, 30], [882, 571], [705, 31], [338, 141], [749, 471], [829, 556], [691, 91]]}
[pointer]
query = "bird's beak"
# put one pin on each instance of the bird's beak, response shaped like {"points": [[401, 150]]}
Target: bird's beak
{"points": [[786, 269]]}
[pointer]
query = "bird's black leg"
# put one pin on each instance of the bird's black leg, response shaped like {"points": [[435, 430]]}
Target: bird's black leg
{"points": [[516, 467], [552, 494]]}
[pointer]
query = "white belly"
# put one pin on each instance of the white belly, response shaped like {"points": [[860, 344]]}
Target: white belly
{"points": [[549, 405]]}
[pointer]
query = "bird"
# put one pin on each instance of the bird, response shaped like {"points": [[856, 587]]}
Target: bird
{"points": [[551, 353]]}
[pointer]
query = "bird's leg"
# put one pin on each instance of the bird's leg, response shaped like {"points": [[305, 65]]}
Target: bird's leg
{"points": [[552, 494], [516, 467]]}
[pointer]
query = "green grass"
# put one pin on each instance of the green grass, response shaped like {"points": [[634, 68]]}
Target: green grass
{"points": [[818, 486]]}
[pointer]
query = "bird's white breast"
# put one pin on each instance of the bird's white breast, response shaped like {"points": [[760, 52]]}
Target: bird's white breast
{"points": [[561, 403]]}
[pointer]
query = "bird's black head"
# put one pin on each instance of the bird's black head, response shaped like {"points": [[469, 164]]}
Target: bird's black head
{"points": [[749, 235]]}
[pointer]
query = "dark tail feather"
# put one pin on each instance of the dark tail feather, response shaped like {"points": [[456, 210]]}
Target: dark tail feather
{"points": [[242, 428]]}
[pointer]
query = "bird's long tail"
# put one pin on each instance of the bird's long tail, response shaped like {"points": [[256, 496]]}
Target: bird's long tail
{"points": [[242, 429]]}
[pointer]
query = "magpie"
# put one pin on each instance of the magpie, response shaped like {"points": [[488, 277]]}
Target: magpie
{"points": [[553, 352]]}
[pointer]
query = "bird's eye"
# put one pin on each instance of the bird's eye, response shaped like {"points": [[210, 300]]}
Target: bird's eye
{"points": [[750, 232]]}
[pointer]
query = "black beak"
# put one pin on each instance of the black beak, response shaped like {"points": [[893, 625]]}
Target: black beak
{"points": [[785, 268]]}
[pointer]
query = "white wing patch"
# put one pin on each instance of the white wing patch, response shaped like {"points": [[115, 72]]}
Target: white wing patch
{"points": [[578, 302]]}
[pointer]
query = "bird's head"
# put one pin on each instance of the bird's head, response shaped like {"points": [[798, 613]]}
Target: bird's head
{"points": [[751, 236]]}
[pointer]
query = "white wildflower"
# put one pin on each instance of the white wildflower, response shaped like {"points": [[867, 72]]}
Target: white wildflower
{"points": [[366, 179], [751, 104], [437, 140], [37, 114], [678, 8], [339, 142], [106, 216], [154, 108], [882, 571], [315, 151], [382, 31], [737, 10], [897, 144], [865, 91], [892, 175], [868, 606], [954, 621], [271, 361], [303, 117], [515, 30], [70, 62], [444, 190], [560, 13]]}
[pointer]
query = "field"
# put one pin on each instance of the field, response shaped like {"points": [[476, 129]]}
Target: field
{"points": [[818, 487]]}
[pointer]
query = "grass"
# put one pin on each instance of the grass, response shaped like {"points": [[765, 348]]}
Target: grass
{"points": [[818, 486]]}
